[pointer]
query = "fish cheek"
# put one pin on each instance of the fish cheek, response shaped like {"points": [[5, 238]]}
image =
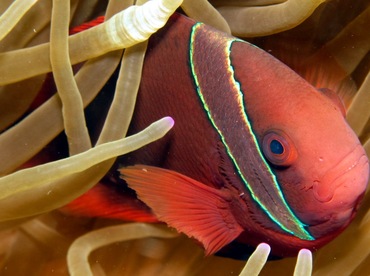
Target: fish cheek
{"points": [[296, 191], [297, 187]]}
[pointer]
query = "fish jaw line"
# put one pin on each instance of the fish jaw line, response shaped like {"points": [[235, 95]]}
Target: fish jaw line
{"points": [[353, 175], [333, 224]]}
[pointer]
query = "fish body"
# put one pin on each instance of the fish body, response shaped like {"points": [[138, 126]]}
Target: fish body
{"points": [[257, 154]]}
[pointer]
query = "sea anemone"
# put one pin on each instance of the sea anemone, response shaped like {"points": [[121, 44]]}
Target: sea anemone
{"points": [[36, 237]]}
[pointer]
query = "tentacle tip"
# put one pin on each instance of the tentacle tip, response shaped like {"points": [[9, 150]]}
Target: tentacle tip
{"points": [[305, 252], [170, 121], [264, 247]]}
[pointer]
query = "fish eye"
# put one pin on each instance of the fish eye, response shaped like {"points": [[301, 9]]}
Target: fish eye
{"points": [[278, 148]]}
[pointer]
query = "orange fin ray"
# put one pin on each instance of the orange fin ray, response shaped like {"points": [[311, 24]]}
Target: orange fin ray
{"points": [[199, 211]]}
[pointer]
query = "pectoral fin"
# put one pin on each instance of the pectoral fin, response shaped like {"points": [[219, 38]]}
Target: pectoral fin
{"points": [[199, 211]]}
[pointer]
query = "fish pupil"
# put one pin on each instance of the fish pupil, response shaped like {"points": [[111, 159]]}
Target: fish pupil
{"points": [[276, 147]]}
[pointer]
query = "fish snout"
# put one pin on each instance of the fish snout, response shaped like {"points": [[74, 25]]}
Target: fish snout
{"points": [[345, 182]]}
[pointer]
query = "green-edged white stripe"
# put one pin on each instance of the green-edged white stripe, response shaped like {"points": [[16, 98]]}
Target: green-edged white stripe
{"points": [[300, 231]]}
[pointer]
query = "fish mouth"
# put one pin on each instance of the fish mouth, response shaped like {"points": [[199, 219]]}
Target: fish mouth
{"points": [[345, 180]]}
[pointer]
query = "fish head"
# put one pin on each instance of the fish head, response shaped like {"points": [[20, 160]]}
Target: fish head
{"points": [[318, 160], [319, 163]]}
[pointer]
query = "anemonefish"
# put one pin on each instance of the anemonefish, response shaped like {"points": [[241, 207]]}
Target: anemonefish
{"points": [[257, 154]]}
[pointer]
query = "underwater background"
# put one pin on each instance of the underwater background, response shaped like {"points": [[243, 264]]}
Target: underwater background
{"points": [[327, 42]]}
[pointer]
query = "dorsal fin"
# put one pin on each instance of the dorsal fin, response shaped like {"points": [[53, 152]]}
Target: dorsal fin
{"points": [[334, 97]]}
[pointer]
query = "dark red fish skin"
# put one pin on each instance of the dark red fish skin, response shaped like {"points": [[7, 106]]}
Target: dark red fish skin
{"points": [[165, 91], [193, 147]]}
